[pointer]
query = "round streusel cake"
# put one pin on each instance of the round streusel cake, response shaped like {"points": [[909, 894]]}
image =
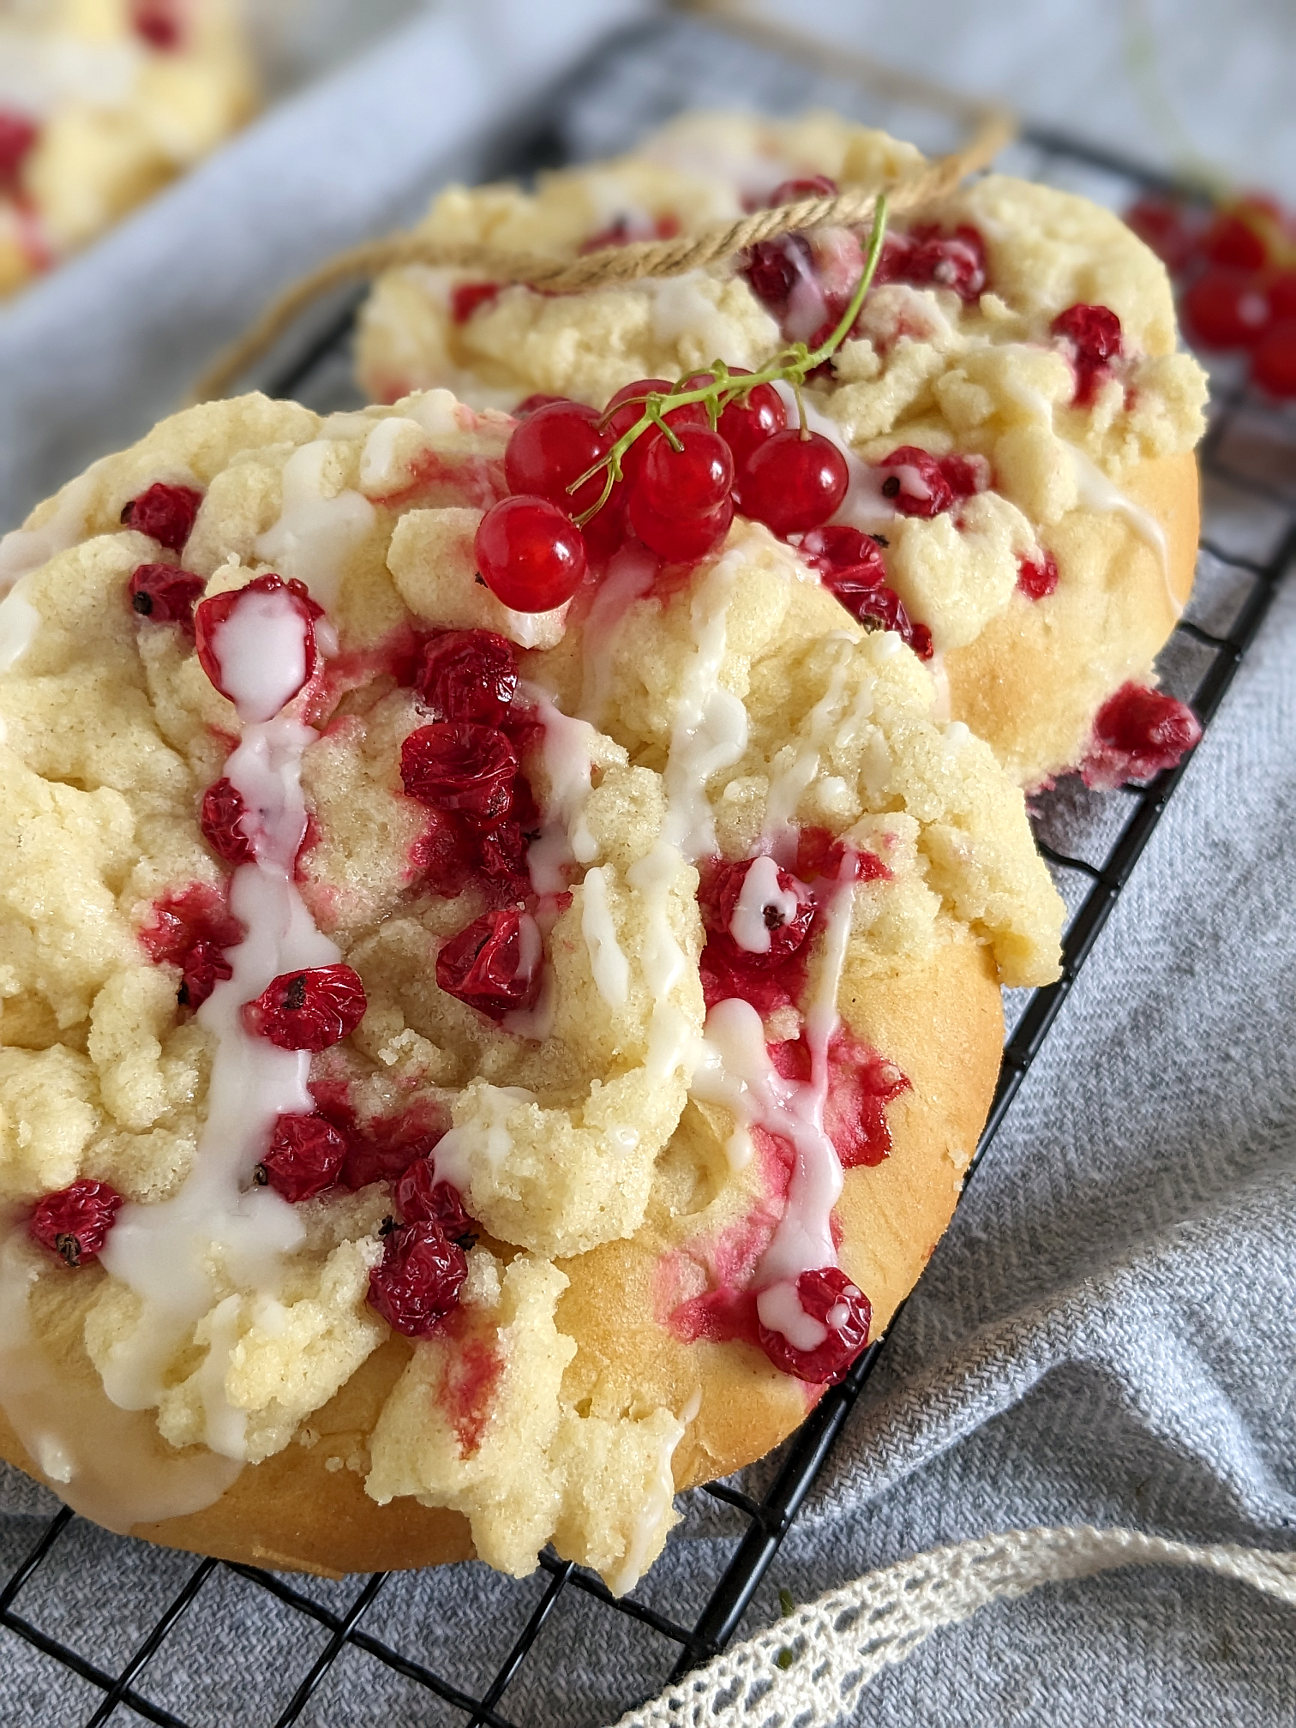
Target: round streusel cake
{"points": [[1018, 424], [101, 103], [463, 1072]]}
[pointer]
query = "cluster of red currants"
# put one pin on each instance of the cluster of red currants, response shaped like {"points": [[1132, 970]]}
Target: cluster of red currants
{"points": [[680, 482], [1236, 271]]}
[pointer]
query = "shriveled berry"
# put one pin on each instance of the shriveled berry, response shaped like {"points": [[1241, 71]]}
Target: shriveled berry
{"points": [[827, 1295], [493, 964], [221, 818], [418, 1280], [1093, 335], [748, 421], [165, 513], [165, 594], [191, 929], [939, 260], [551, 449], [693, 481], [459, 765], [916, 484], [774, 268], [212, 615], [760, 912], [18, 134], [420, 1197], [305, 1156], [469, 297], [1037, 575], [468, 675], [1273, 363], [74, 1223], [1138, 733], [795, 481], [530, 553], [679, 539], [308, 1010]]}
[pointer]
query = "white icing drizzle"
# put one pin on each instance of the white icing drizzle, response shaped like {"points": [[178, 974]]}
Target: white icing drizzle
{"points": [[629, 577], [670, 1033], [19, 622], [608, 963], [825, 720], [709, 728], [26, 549], [315, 534], [679, 309], [567, 753], [264, 653], [484, 1137], [760, 890], [655, 1509]]}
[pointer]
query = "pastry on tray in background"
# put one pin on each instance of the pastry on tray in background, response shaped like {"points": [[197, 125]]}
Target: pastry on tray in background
{"points": [[101, 103], [467, 1068], [1018, 424]]}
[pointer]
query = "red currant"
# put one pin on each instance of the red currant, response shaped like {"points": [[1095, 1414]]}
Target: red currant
{"points": [[1138, 733], [462, 766], [554, 446], [74, 1223], [679, 539], [828, 1296], [418, 1281], [795, 481], [308, 1010], [221, 819], [692, 481], [531, 554], [470, 297], [1226, 308], [191, 929], [211, 615], [785, 917], [1037, 575], [488, 966], [1167, 227], [305, 1156], [157, 22], [538, 399], [1231, 239], [747, 422], [793, 191], [165, 594], [419, 1197], [165, 513], [468, 675], [17, 136], [1273, 364]]}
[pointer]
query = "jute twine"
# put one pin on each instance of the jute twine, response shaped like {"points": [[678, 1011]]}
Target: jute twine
{"points": [[853, 206]]}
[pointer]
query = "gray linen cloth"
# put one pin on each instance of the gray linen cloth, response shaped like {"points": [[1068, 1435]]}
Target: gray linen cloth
{"points": [[1104, 1335]]}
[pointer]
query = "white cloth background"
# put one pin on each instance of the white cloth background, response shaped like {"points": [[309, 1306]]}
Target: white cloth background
{"points": [[1105, 1336]]}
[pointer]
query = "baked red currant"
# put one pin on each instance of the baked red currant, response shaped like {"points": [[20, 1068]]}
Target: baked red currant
{"points": [[531, 554], [794, 481], [469, 297], [158, 23], [191, 929], [842, 1308], [165, 594], [494, 964], [212, 615], [165, 513], [74, 1223], [468, 675], [809, 186], [1093, 335], [758, 911], [1168, 227], [418, 1280], [18, 134], [1138, 733], [917, 484], [308, 1010], [221, 818], [461, 766], [551, 448], [305, 1156], [419, 1196], [1037, 575]]}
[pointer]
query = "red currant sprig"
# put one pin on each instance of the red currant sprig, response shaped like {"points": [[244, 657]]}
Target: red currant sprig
{"points": [[665, 463]]}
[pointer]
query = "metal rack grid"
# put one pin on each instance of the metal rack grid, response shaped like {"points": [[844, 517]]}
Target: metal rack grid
{"points": [[1092, 841]]}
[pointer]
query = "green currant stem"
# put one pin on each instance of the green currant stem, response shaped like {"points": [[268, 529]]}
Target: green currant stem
{"points": [[790, 366]]}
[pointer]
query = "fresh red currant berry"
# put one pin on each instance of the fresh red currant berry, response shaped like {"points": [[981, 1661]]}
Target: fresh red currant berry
{"points": [[537, 399], [308, 1010], [530, 554], [1168, 227], [839, 547], [221, 819], [679, 539], [842, 1308], [419, 1197], [165, 513], [809, 186], [626, 409], [749, 420], [1281, 295], [553, 447], [459, 765], [795, 481], [916, 484], [18, 134], [1231, 239], [212, 615], [305, 1156], [74, 1223], [494, 964], [468, 675], [1273, 362], [1037, 575], [165, 594], [758, 911], [469, 297], [418, 1280], [692, 481], [1226, 308]]}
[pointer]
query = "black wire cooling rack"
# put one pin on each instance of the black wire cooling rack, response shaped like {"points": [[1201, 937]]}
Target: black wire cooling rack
{"points": [[129, 1638]]}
